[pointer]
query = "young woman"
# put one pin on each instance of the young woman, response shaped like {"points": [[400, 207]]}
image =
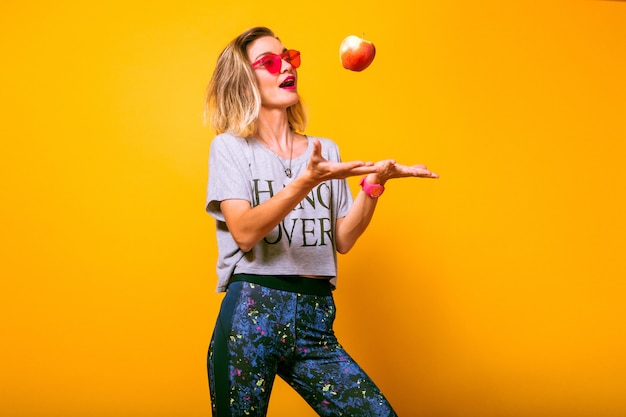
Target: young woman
{"points": [[283, 210]]}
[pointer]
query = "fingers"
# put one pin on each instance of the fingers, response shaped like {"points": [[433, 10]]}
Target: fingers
{"points": [[359, 167], [418, 170], [423, 172], [317, 148], [352, 168], [386, 164]]}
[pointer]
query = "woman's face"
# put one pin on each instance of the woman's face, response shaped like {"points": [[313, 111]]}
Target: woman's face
{"points": [[277, 90]]}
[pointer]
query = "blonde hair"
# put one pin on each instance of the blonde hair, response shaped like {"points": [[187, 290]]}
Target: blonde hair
{"points": [[233, 100]]}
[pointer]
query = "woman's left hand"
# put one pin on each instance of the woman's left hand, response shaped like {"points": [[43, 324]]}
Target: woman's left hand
{"points": [[389, 169]]}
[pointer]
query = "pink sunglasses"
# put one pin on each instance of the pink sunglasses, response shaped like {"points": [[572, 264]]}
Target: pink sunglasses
{"points": [[274, 62]]}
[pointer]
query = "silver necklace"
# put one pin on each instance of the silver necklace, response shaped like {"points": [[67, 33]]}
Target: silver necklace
{"points": [[288, 172]]}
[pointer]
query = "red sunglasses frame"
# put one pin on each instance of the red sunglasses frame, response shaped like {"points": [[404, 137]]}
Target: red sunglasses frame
{"points": [[274, 62]]}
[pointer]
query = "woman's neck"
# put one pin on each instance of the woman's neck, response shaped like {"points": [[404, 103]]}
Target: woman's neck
{"points": [[275, 132]]}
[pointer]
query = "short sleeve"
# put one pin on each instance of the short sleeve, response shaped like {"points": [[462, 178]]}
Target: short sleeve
{"points": [[229, 173]]}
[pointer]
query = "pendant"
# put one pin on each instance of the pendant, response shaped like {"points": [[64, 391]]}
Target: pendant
{"points": [[288, 172]]}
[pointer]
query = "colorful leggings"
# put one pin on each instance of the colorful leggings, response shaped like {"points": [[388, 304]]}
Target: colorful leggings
{"points": [[262, 332]]}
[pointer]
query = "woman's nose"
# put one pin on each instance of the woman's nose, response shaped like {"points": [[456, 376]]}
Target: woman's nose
{"points": [[285, 65]]}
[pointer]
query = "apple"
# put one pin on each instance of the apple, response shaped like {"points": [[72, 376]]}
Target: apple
{"points": [[356, 53]]}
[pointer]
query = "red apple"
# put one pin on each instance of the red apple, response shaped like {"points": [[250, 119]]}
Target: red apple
{"points": [[356, 53]]}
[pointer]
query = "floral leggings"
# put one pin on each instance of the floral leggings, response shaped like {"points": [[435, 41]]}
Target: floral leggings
{"points": [[262, 332]]}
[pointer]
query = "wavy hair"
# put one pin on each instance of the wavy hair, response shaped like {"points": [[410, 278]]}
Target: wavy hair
{"points": [[233, 100]]}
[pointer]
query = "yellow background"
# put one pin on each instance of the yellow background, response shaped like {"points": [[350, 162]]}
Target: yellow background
{"points": [[497, 290]]}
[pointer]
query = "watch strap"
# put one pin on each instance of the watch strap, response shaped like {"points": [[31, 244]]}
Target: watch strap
{"points": [[373, 190]]}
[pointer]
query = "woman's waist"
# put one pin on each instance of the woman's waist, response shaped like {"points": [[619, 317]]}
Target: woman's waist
{"points": [[303, 284]]}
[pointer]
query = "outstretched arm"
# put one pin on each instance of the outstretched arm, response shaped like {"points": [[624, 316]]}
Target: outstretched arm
{"points": [[352, 226], [248, 225]]}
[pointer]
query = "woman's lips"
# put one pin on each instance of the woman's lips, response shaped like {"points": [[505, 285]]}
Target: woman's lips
{"points": [[289, 83]]}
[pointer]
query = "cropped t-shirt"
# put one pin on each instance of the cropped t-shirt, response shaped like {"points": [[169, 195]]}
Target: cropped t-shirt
{"points": [[303, 243]]}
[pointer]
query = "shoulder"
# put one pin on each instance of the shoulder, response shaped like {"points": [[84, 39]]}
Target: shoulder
{"points": [[227, 143], [229, 147], [227, 139]]}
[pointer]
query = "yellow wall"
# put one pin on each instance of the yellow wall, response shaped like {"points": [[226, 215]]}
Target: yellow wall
{"points": [[497, 290]]}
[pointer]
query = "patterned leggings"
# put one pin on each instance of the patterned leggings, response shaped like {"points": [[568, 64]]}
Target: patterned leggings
{"points": [[262, 332]]}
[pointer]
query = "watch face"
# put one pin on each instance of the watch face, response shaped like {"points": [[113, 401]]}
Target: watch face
{"points": [[376, 190], [373, 190]]}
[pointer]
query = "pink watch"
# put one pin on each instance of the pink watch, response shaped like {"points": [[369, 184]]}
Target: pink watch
{"points": [[373, 190]]}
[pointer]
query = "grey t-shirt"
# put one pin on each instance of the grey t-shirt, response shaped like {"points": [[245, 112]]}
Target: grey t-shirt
{"points": [[303, 243]]}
